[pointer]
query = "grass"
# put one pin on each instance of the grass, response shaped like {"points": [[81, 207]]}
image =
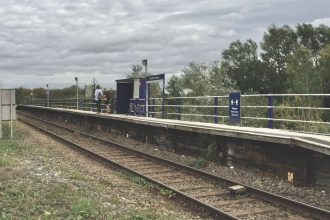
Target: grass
{"points": [[8, 148], [140, 215], [5, 160], [77, 175], [48, 201], [84, 208]]}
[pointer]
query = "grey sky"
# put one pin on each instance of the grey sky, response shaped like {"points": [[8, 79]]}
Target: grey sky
{"points": [[52, 41]]}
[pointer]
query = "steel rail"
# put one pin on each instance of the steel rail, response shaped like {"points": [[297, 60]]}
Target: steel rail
{"points": [[261, 194]]}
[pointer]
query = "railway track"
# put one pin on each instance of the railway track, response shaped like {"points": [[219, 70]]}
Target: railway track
{"points": [[206, 190]]}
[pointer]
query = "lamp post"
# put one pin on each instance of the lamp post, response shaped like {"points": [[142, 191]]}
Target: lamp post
{"points": [[32, 97], [145, 64], [47, 95], [76, 79]]}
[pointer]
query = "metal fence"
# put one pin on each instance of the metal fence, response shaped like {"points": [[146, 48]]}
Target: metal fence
{"points": [[86, 104], [299, 112]]}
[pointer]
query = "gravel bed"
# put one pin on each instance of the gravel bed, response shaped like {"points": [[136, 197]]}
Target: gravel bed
{"points": [[47, 166], [316, 195]]}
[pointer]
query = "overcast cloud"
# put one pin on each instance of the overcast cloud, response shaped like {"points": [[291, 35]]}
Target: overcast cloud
{"points": [[52, 41]]}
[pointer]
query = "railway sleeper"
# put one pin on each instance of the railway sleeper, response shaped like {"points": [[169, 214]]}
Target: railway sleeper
{"points": [[254, 211], [179, 180], [202, 186], [149, 167], [209, 194], [167, 175], [158, 171], [231, 201]]}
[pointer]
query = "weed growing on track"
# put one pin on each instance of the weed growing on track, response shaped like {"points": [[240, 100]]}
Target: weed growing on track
{"points": [[198, 163], [149, 185]]}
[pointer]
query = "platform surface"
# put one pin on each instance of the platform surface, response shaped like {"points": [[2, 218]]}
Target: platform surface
{"points": [[318, 143]]}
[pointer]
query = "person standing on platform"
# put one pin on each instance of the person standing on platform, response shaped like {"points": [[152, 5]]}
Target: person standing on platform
{"points": [[97, 97]]}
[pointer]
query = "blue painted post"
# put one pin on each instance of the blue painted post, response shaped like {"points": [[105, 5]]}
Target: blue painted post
{"points": [[216, 110], [270, 111], [163, 97]]}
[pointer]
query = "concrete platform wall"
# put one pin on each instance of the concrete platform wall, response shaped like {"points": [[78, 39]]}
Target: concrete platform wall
{"points": [[279, 159]]}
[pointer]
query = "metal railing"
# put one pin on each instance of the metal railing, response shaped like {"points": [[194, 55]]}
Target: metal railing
{"points": [[299, 112], [85, 104]]}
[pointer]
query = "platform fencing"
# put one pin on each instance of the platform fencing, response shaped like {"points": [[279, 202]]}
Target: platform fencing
{"points": [[85, 104], [298, 112]]}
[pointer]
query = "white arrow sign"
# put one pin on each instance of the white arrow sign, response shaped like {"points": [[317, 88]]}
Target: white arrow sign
{"points": [[234, 102]]}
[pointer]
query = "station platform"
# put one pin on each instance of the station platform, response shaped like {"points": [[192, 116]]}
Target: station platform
{"points": [[317, 143]]}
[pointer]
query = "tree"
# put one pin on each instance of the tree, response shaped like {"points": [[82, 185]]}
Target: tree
{"points": [[200, 80], [241, 63], [195, 79], [277, 45], [302, 76], [137, 72], [313, 38], [23, 95], [324, 69], [308, 37], [39, 93], [323, 32], [220, 82], [174, 87]]}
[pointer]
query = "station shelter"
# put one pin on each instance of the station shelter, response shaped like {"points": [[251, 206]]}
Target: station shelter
{"points": [[131, 93]]}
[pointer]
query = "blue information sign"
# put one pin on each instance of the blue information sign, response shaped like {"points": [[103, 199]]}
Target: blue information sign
{"points": [[235, 107], [155, 77]]}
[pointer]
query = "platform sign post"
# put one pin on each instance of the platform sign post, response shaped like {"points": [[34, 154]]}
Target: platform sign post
{"points": [[155, 78], [235, 107]]}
